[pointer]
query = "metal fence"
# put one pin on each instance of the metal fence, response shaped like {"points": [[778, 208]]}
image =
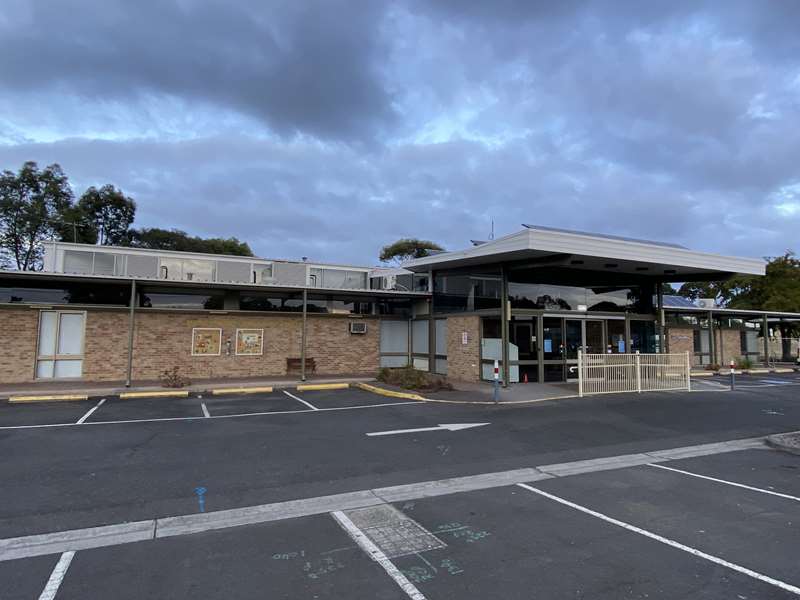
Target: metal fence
{"points": [[614, 373]]}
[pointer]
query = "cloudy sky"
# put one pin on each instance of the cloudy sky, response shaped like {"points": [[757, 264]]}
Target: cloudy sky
{"points": [[328, 129]]}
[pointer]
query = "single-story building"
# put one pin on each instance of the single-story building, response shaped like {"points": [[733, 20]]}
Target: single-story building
{"points": [[531, 300]]}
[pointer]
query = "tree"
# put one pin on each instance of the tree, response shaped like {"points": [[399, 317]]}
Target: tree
{"points": [[109, 212], [701, 289], [32, 205], [408, 248], [175, 239]]}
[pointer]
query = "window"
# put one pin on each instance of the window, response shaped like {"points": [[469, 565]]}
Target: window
{"points": [[182, 300], [60, 348], [262, 274]]}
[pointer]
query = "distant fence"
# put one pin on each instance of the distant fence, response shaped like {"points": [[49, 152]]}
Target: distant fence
{"points": [[614, 373]]}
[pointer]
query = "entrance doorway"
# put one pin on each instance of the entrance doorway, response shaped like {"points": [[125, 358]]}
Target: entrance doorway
{"points": [[563, 338]]}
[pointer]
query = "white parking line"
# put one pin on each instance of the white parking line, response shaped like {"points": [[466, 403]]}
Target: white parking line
{"points": [[57, 576], [377, 555], [733, 483], [308, 404], [667, 541], [238, 415], [206, 414], [89, 412]]}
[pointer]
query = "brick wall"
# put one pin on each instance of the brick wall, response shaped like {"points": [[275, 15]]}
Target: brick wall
{"points": [[729, 345], [682, 341], [19, 327], [463, 360], [163, 340]]}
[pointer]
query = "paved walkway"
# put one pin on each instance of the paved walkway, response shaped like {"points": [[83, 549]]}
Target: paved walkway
{"points": [[516, 392]]}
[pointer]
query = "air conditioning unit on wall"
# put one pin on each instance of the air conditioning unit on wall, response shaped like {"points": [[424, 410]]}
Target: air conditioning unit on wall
{"points": [[706, 303], [358, 327]]}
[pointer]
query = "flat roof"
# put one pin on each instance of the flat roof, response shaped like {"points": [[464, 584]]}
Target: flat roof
{"points": [[545, 246], [169, 283]]}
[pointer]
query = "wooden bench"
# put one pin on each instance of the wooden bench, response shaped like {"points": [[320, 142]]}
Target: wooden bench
{"points": [[293, 365]]}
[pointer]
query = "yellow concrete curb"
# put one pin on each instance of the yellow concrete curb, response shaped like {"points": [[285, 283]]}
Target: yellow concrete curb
{"points": [[756, 371], [391, 393], [242, 390], [48, 398], [783, 370], [169, 394], [702, 373], [310, 387]]}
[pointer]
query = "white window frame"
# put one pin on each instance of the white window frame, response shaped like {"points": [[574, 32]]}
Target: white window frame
{"points": [[219, 347], [236, 346], [56, 357]]}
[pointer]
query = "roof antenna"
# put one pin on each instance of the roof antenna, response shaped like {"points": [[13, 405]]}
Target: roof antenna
{"points": [[491, 235]]}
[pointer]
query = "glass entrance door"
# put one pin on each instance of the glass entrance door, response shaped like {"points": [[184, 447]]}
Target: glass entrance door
{"points": [[562, 340], [573, 341], [593, 338]]}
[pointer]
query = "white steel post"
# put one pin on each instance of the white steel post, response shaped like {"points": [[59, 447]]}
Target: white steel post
{"points": [[638, 362], [688, 372], [580, 373]]}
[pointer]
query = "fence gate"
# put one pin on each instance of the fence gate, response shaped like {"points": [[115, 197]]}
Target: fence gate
{"points": [[614, 373]]}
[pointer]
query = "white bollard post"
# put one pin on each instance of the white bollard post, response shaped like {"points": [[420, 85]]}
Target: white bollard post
{"points": [[638, 361], [580, 373], [688, 372]]}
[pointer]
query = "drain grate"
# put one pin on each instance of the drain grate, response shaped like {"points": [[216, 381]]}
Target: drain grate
{"points": [[392, 531]]}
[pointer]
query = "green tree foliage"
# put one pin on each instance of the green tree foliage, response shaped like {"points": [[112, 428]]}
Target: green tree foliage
{"points": [[701, 289], [32, 204], [408, 248], [778, 290], [174, 239], [108, 212]]}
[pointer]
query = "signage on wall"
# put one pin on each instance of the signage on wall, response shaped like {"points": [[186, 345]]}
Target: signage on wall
{"points": [[464, 338], [206, 341], [249, 342]]}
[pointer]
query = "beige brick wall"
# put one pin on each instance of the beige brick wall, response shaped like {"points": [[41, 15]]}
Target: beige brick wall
{"points": [[463, 360], [163, 340], [729, 345], [19, 327], [681, 341]]}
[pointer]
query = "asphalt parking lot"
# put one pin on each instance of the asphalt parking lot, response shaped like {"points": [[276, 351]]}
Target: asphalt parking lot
{"points": [[721, 524], [505, 542]]}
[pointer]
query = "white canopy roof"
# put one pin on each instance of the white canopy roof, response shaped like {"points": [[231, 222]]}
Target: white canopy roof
{"points": [[588, 251]]}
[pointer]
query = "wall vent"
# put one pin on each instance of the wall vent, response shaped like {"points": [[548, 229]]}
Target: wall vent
{"points": [[358, 327]]}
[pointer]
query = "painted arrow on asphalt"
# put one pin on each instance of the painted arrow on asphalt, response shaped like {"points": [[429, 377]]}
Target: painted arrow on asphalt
{"points": [[439, 427]]}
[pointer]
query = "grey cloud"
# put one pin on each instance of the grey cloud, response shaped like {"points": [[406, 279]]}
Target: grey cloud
{"points": [[303, 67], [330, 129]]}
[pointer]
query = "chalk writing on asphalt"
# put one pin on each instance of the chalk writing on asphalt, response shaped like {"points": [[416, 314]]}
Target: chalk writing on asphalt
{"points": [[458, 531]]}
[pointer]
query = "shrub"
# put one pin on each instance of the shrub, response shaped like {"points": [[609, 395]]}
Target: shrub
{"points": [[743, 362], [410, 378], [172, 378]]}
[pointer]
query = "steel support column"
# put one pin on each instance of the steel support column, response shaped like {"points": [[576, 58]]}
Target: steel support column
{"points": [[431, 329], [765, 327], [660, 323], [712, 342], [303, 337], [505, 317], [131, 325]]}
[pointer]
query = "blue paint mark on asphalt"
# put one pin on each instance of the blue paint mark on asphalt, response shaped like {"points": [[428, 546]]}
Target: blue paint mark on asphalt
{"points": [[201, 497]]}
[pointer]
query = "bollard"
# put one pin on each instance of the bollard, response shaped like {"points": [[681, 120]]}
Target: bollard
{"points": [[733, 375], [496, 381]]}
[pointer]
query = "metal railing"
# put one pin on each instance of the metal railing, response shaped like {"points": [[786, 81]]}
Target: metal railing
{"points": [[616, 373]]}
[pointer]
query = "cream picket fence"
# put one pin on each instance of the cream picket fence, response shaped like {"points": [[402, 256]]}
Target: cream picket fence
{"points": [[616, 373]]}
